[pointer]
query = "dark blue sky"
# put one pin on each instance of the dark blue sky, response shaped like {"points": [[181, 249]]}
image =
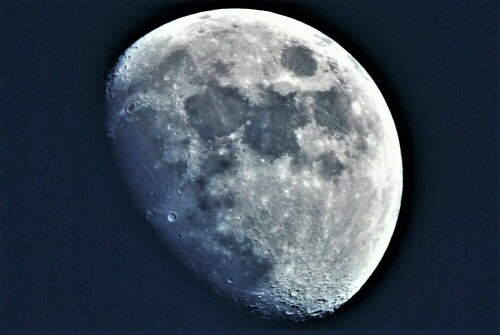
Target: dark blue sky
{"points": [[76, 255]]}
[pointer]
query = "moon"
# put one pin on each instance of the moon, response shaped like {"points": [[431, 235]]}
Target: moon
{"points": [[262, 153]]}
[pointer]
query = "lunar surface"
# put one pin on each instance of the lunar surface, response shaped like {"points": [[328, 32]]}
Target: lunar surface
{"points": [[262, 153]]}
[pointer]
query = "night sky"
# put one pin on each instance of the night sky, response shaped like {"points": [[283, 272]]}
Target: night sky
{"points": [[76, 256]]}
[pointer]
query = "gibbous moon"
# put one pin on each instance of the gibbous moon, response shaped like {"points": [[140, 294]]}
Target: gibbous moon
{"points": [[262, 153]]}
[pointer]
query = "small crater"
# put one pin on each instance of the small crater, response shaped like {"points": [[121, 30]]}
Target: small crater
{"points": [[172, 217], [131, 108], [293, 310]]}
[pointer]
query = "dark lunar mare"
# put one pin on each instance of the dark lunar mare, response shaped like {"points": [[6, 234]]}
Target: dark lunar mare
{"points": [[217, 111], [155, 183], [175, 64], [331, 166], [332, 109], [299, 60], [222, 68], [269, 127]]}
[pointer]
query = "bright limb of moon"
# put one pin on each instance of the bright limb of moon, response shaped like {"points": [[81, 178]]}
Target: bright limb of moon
{"points": [[262, 153]]}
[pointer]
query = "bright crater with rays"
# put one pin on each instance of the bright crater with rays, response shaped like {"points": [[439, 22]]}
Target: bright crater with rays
{"points": [[262, 153]]}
